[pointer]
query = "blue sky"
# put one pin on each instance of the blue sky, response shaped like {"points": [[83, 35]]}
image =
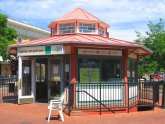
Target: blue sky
{"points": [[123, 16]]}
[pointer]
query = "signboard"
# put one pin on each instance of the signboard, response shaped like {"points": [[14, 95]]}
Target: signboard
{"points": [[40, 50], [100, 52]]}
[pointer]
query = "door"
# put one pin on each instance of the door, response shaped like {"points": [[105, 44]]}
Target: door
{"points": [[55, 77], [41, 77]]}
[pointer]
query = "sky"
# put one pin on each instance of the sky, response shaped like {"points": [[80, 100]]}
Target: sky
{"points": [[124, 16]]}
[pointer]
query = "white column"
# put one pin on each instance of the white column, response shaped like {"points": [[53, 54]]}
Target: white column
{"points": [[33, 86], [19, 78], [49, 80]]}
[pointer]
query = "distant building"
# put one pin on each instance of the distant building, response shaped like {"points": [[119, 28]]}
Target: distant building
{"points": [[25, 33]]}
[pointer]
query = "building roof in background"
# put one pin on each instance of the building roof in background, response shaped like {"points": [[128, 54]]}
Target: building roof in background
{"points": [[14, 22]]}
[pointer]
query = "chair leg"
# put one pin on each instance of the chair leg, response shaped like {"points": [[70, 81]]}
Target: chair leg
{"points": [[49, 114], [61, 115]]}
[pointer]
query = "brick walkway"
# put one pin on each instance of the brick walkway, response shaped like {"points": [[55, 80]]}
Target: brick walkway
{"points": [[37, 114]]}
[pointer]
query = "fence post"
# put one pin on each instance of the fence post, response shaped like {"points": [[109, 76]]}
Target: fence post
{"points": [[163, 95], [100, 98], [128, 95], [70, 100]]}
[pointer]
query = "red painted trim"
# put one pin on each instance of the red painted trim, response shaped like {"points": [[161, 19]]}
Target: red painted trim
{"points": [[131, 51], [96, 46], [76, 27], [73, 71], [56, 30], [51, 32], [125, 65], [115, 111], [106, 33], [73, 64], [125, 57], [98, 29]]}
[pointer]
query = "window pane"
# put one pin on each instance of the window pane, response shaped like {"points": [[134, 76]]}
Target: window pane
{"points": [[55, 76], [131, 71], [111, 70], [101, 31], [42, 72], [37, 72], [87, 28], [67, 28], [89, 70], [26, 77]]}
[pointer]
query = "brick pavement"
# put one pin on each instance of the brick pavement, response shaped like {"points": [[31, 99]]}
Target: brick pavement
{"points": [[37, 114]]}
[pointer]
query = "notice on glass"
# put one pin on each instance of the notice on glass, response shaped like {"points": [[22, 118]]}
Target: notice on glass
{"points": [[55, 70], [66, 67], [26, 70]]}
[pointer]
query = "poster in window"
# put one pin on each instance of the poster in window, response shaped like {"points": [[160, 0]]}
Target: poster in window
{"points": [[26, 70], [89, 70], [66, 67], [55, 69]]}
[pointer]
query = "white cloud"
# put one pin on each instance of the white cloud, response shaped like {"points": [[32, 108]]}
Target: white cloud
{"points": [[128, 35], [113, 12]]}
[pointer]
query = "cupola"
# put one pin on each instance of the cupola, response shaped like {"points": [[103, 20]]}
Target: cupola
{"points": [[78, 21]]}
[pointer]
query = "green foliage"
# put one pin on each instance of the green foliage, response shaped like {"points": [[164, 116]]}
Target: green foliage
{"points": [[154, 40], [7, 36]]}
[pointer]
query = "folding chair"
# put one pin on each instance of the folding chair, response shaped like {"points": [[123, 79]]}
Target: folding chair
{"points": [[57, 105]]}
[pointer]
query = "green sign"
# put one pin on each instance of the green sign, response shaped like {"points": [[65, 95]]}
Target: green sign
{"points": [[47, 49], [89, 75]]}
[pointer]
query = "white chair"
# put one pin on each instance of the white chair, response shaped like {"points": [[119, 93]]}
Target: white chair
{"points": [[57, 105]]}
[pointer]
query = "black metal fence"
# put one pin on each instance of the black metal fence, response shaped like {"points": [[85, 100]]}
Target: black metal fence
{"points": [[8, 88], [115, 96]]}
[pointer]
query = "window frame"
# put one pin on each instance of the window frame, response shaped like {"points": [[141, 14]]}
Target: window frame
{"points": [[66, 27], [101, 58], [102, 31], [87, 27]]}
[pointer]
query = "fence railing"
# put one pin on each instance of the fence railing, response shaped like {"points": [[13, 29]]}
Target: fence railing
{"points": [[8, 88], [112, 96]]}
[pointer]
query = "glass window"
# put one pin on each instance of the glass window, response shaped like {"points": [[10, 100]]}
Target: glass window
{"points": [[67, 28], [55, 69], [89, 70], [40, 70], [87, 28], [131, 69], [26, 77], [111, 70], [101, 31], [55, 76], [67, 71]]}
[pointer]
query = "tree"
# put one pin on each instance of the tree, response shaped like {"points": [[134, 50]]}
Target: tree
{"points": [[7, 36], [154, 40]]}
